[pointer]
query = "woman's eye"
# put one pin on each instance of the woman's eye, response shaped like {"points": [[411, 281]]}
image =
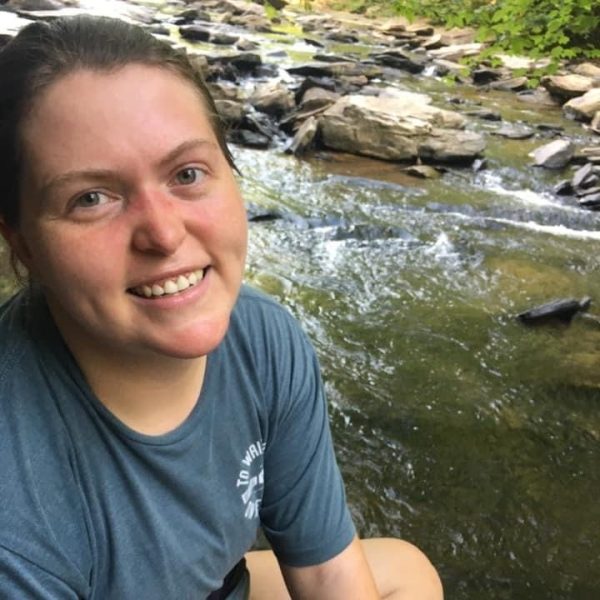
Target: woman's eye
{"points": [[90, 200], [189, 175]]}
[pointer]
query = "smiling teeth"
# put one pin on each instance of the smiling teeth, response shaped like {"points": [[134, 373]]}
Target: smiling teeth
{"points": [[170, 286]]}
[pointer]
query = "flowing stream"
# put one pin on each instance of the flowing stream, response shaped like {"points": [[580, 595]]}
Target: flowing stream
{"points": [[456, 427]]}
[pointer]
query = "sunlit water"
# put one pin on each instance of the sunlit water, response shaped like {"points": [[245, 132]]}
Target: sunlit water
{"points": [[456, 427]]}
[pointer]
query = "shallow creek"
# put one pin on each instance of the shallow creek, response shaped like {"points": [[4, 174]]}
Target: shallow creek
{"points": [[456, 427]]}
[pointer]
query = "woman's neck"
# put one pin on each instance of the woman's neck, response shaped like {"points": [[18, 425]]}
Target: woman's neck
{"points": [[151, 394]]}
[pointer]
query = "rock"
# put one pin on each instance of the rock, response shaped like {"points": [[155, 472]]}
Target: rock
{"points": [[563, 188], [484, 113], [316, 97], [539, 96], [566, 87], [400, 59], [514, 131], [433, 42], [554, 155], [591, 154], [458, 36], [443, 67], [272, 98], [457, 51], [581, 175], [562, 310], [591, 201], [397, 126], [521, 62], [344, 37], [35, 5], [423, 172], [194, 33], [588, 70], [584, 107], [485, 75], [512, 84], [595, 124], [336, 69], [231, 112], [479, 164], [245, 45], [250, 139], [223, 39], [305, 137], [585, 193], [277, 4]]}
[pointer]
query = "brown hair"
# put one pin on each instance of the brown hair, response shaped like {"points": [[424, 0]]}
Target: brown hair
{"points": [[43, 52]]}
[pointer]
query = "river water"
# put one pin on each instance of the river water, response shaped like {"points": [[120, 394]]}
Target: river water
{"points": [[456, 427]]}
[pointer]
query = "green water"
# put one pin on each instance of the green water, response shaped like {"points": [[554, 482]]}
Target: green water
{"points": [[456, 427]]}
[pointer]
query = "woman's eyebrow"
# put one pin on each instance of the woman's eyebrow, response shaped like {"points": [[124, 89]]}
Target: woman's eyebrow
{"points": [[183, 148], [107, 174]]}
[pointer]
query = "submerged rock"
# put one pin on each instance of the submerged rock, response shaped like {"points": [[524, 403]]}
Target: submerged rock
{"points": [[562, 310]]}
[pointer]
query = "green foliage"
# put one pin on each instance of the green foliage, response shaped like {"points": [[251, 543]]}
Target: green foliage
{"points": [[558, 29]]}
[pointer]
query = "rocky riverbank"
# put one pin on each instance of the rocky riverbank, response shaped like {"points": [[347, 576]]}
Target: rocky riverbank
{"points": [[349, 97]]}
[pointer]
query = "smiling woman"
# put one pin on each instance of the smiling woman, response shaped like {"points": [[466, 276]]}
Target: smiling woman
{"points": [[154, 412]]}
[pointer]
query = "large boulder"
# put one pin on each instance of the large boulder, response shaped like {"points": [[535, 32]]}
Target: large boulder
{"points": [[584, 107], [397, 126]]}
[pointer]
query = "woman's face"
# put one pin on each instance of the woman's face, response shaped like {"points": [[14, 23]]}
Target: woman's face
{"points": [[132, 220]]}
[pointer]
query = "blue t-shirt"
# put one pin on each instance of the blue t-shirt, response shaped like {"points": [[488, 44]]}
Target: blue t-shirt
{"points": [[90, 508]]}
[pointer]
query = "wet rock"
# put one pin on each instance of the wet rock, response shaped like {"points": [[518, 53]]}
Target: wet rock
{"points": [[244, 63], [590, 201], [190, 15], [583, 175], [344, 37], [444, 67], [367, 232], [562, 310], [591, 154], [423, 29], [305, 137], [35, 5], [250, 139], [563, 188], [484, 113], [539, 96], [400, 59], [569, 86], [584, 107], [272, 98], [479, 164], [245, 45], [397, 126], [554, 155], [485, 75], [223, 39], [511, 84], [514, 131], [423, 172], [194, 33], [336, 69]]}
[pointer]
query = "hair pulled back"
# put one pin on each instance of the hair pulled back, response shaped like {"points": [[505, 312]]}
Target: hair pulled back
{"points": [[43, 52]]}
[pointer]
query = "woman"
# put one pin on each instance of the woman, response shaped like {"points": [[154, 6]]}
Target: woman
{"points": [[153, 411]]}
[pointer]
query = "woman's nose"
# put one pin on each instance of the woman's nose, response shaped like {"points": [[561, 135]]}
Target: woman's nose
{"points": [[159, 226]]}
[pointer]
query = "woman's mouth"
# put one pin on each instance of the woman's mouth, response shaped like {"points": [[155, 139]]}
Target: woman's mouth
{"points": [[169, 287]]}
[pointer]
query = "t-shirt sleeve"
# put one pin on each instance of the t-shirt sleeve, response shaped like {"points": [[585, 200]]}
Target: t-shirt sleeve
{"points": [[304, 513], [21, 578]]}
